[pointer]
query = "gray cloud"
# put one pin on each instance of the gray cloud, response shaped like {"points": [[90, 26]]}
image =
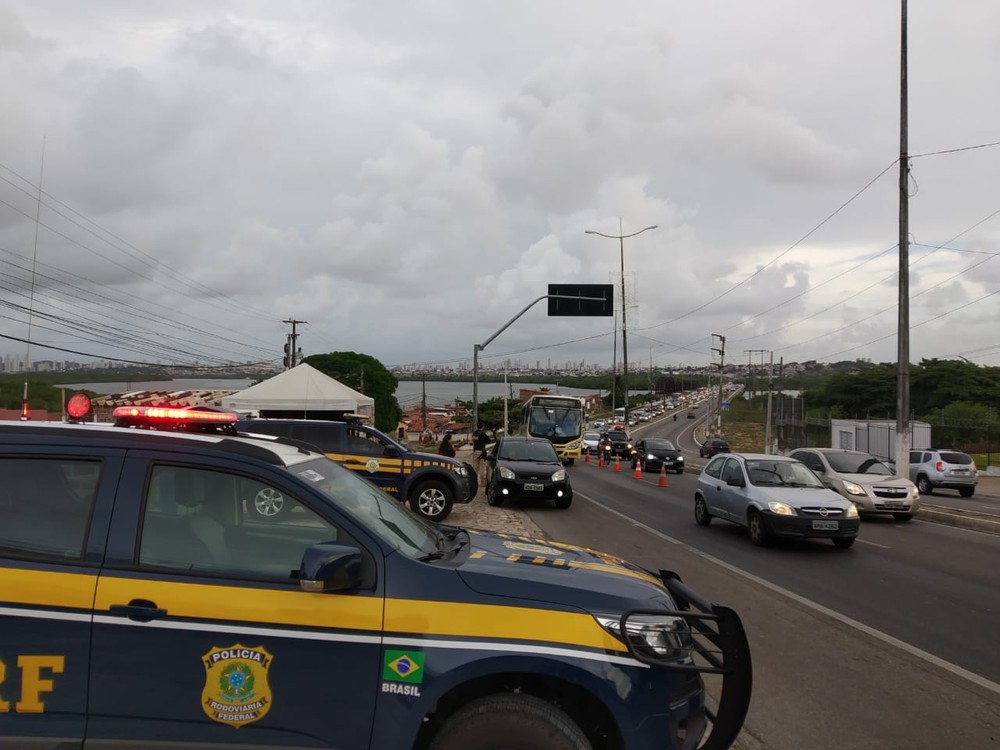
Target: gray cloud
{"points": [[407, 178]]}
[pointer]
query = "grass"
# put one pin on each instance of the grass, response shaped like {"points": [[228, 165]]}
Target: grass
{"points": [[744, 437]]}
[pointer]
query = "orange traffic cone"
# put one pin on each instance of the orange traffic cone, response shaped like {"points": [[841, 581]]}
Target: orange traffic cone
{"points": [[600, 460], [663, 477], [637, 474], [618, 463], [586, 456]]}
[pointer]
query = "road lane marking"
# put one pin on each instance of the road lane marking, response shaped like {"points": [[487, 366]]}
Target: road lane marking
{"points": [[873, 544], [844, 619]]}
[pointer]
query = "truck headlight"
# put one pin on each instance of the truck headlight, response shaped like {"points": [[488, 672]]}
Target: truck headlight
{"points": [[559, 475], [662, 637], [506, 473], [854, 489]]}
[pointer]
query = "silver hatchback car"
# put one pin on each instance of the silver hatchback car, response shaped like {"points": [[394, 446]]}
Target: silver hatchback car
{"points": [[864, 480], [773, 496]]}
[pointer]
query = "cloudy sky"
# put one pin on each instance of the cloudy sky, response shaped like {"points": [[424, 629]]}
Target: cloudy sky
{"points": [[405, 178]]}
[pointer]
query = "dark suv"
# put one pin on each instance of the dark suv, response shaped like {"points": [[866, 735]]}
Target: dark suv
{"points": [[934, 468], [429, 482], [710, 447], [621, 446]]}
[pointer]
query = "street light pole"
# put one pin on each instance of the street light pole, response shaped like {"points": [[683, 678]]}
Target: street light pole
{"points": [[621, 252], [479, 347]]}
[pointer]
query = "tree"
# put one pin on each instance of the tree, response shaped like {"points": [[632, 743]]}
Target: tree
{"points": [[366, 375], [491, 414], [859, 395], [961, 424]]}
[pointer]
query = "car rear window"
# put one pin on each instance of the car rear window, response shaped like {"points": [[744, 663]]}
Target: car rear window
{"points": [[962, 459]]}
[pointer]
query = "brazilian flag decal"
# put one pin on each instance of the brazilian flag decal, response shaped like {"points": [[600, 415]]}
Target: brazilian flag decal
{"points": [[403, 666]]}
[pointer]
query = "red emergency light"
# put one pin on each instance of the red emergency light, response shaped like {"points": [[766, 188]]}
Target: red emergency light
{"points": [[173, 417]]}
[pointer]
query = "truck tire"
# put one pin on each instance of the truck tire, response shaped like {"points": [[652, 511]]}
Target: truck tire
{"points": [[432, 499], [268, 503], [510, 720]]}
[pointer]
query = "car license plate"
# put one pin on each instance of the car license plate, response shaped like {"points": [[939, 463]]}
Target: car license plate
{"points": [[894, 504], [826, 525], [534, 487]]}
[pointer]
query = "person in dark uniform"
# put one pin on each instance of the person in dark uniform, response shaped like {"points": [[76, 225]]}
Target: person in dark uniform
{"points": [[447, 448], [479, 440]]}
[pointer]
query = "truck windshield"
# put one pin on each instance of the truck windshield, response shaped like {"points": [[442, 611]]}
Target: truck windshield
{"points": [[378, 512]]}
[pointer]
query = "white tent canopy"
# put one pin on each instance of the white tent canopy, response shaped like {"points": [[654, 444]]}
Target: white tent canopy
{"points": [[303, 388]]}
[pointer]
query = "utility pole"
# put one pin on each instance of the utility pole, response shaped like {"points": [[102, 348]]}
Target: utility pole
{"points": [[292, 351], [767, 429], [614, 367], [903, 437], [722, 363], [781, 402]]}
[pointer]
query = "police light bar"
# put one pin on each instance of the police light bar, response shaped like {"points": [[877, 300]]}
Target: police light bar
{"points": [[184, 415]]}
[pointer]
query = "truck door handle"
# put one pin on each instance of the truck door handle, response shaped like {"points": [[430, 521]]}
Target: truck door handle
{"points": [[142, 610]]}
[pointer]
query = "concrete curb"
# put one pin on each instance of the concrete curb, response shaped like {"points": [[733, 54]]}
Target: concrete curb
{"points": [[984, 522]]}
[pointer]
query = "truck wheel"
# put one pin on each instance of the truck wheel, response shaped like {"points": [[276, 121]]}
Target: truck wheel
{"points": [[432, 500], [510, 720], [268, 503], [924, 486]]}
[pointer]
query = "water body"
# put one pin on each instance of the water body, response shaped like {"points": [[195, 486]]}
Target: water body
{"points": [[409, 392], [181, 384]]}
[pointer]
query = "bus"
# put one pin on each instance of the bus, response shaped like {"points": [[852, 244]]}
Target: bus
{"points": [[558, 418], [620, 415]]}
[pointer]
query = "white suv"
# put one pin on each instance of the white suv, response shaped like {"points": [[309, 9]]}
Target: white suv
{"points": [[944, 468]]}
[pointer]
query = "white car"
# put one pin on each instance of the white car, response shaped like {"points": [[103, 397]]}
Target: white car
{"points": [[590, 440]]}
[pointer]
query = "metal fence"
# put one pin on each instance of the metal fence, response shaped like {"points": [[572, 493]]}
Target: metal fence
{"points": [[791, 428]]}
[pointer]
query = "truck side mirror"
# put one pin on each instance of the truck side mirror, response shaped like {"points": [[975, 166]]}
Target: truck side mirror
{"points": [[330, 567]]}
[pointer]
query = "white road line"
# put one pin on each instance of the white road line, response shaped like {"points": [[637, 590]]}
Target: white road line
{"points": [[873, 544], [850, 622]]}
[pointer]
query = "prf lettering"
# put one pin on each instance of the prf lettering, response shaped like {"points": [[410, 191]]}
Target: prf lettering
{"points": [[33, 684]]}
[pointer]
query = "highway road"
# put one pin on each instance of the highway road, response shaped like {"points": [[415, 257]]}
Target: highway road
{"points": [[893, 643]]}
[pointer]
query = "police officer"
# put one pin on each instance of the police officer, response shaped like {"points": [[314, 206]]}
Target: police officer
{"points": [[479, 439], [447, 447]]}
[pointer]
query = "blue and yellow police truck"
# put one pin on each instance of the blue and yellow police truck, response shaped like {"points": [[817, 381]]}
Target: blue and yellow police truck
{"points": [[145, 603], [428, 482]]}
